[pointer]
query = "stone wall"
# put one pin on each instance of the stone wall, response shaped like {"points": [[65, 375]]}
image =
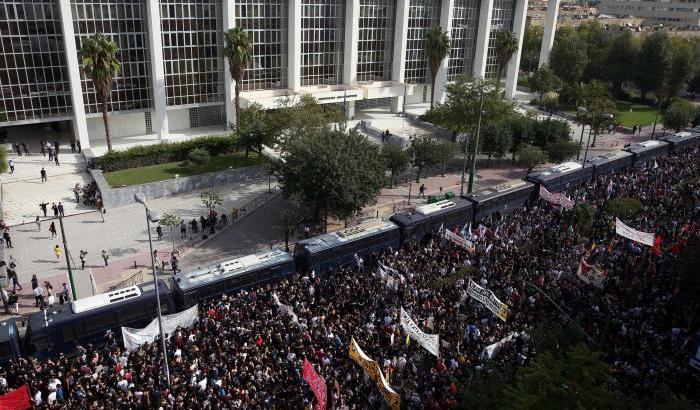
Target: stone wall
{"points": [[116, 197]]}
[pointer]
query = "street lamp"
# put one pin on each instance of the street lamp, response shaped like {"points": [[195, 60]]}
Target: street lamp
{"points": [[153, 217], [583, 127], [658, 109], [67, 251], [476, 144]]}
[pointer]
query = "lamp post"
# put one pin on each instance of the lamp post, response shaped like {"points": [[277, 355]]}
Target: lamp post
{"points": [[153, 217], [656, 118], [580, 140], [476, 142], [65, 247]]}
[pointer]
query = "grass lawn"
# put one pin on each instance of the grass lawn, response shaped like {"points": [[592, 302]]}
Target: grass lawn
{"points": [[168, 170], [640, 114]]}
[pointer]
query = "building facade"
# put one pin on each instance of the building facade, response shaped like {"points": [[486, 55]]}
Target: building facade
{"points": [[174, 76], [680, 13]]}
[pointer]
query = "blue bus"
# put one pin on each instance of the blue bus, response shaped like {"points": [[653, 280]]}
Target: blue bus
{"points": [[62, 328], [428, 218], [503, 198], [268, 265], [323, 253], [9, 341]]}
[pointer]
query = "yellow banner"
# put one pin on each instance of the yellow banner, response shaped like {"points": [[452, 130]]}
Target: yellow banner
{"points": [[375, 372]]}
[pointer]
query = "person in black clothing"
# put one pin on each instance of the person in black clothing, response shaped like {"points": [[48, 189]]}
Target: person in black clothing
{"points": [[35, 282], [79, 148], [43, 175], [25, 147], [72, 147], [43, 206], [159, 231], [54, 207], [8, 240]]}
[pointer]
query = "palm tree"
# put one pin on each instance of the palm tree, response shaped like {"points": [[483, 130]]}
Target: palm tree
{"points": [[237, 47], [99, 57], [506, 45], [437, 47]]}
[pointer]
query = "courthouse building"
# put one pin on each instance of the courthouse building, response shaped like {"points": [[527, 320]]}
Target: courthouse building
{"points": [[359, 53]]}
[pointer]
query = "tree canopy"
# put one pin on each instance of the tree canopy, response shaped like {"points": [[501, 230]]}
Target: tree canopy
{"points": [[530, 157], [437, 47], [254, 129], [303, 117], [238, 50], [337, 171], [679, 115], [654, 62]]}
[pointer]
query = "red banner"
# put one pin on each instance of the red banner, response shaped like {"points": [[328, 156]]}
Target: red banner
{"points": [[17, 399], [316, 383]]}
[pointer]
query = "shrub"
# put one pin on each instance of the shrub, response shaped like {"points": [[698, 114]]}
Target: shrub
{"points": [[624, 207], [584, 214], [144, 155], [199, 156]]}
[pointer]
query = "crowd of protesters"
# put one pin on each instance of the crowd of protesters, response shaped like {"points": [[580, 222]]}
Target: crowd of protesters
{"points": [[244, 352]]}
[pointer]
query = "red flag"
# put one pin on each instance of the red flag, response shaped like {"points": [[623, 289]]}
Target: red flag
{"points": [[656, 250], [17, 399], [316, 383]]}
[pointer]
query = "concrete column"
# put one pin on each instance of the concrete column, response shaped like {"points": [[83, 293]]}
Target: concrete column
{"points": [[513, 67], [352, 35], [550, 28], [229, 21], [350, 114], [446, 23], [294, 46], [160, 105], [482, 38], [80, 131], [400, 39]]}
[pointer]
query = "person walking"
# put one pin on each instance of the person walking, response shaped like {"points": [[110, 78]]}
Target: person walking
{"points": [[25, 147], [55, 209], [159, 231], [43, 206], [174, 262], [156, 261], [18, 150], [13, 301], [76, 192], [50, 149], [60, 209], [79, 148], [100, 208], [421, 191], [35, 281], [58, 252], [183, 229], [43, 175], [12, 276], [38, 296], [83, 253], [72, 146], [105, 257], [37, 221], [55, 159], [11, 164], [42, 148], [52, 229], [8, 240], [66, 293]]}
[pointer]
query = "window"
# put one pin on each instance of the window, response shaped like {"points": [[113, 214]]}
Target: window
{"points": [[501, 19], [465, 24], [376, 40], [322, 43], [422, 16]]}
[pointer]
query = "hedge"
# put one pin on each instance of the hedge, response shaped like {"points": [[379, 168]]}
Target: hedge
{"points": [[144, 155], [625, 207]]}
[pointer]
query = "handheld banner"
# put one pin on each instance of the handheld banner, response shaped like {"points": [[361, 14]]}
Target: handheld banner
{"points": [[591, 274], [316, 383], [631, 233], [431, 343], [375, 372], [557, 198], [133, 338], [488, 299], [453, 237]]}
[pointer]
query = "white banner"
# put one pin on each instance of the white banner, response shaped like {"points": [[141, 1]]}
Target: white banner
{"points": [[492, 349], [631, 233], [591, 274], [489, 300], [431, 343], [133, 338], [557, 198], [453, 237], [285, 309]]}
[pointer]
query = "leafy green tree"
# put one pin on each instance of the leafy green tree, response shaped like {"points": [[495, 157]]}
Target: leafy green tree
{"points": [[290, 216], [506, 44], [696, 117], [530, 157], [579, 381], [396, 160], [238, 50], [679, 115], [543, 81], [620, 56], [584, 214], [654, 62], [495, 139], [599, 107], [562, 150], [568, 58], [532, 42], [485, 391], [593, 37], [683, 66], [253, 129], [437, 47], [549, 131], [423, 152], [460, 110], [211, 199], [521, 127], [303, 117], [337, 171], [172, 221], [99, 57], [443, 152]]}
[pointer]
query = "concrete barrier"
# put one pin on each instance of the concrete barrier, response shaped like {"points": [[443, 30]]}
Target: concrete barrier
{"points": [[436, 129], [116, 197]]}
